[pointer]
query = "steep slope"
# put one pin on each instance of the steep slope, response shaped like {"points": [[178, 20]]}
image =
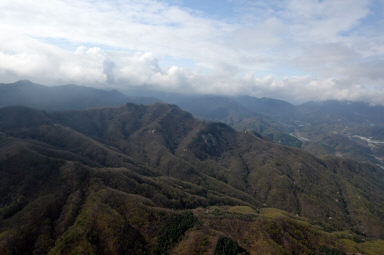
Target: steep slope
{"points": [[273, 175], [118, 181], [348, 129], [242, 113]]}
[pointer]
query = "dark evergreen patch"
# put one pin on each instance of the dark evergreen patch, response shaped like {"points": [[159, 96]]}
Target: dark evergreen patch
{"points": [[226, 246], [173, 230], [324, 250]]}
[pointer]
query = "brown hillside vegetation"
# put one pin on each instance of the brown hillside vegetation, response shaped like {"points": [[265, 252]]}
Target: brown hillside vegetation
{"points": [[154, 180]]}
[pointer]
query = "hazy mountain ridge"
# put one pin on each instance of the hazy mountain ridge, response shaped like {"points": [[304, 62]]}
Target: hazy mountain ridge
{"points": [[65, 97], [322, 128], [349, 129]]}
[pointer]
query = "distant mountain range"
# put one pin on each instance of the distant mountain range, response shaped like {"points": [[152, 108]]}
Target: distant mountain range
{"points": [[348, 129], [66, 97]]}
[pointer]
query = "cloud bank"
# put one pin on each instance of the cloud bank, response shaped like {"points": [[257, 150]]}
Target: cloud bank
{"points": [[297, 50]]}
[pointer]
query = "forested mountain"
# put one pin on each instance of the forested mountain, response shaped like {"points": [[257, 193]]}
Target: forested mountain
{"points": [[348, 129], [153, 179]]}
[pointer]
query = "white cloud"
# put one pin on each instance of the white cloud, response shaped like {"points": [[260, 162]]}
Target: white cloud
{"points": [[126, 42]]}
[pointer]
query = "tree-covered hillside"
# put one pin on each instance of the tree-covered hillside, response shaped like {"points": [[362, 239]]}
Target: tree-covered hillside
{"points": [[153, 179]]}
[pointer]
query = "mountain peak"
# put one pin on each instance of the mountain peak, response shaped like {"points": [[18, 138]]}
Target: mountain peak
{"points": [[23, 83]]}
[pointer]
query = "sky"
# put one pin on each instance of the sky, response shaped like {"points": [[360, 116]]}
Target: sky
{"points": [[296, 50]]}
